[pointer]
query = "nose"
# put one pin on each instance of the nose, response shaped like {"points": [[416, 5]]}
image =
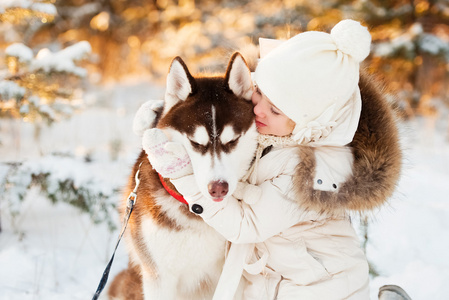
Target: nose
{"points": [[258, 110], [218, 189]]}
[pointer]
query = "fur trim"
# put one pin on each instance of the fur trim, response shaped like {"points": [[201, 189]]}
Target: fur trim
{"points": [[377, 161]]}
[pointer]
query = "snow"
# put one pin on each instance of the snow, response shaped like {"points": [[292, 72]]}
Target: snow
{"points": [[409, 240], [46, 8], [56, 252], [411, 39], [19, 50], [46, 61], [433, 45], [11, 90], [60, 256], [63, 60]]}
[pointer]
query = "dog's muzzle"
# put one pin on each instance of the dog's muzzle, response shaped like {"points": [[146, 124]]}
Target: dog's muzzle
{"points": [[218, 189]]}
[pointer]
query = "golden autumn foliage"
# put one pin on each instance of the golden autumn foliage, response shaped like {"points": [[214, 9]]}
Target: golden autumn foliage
{"points": [[134, 37]]}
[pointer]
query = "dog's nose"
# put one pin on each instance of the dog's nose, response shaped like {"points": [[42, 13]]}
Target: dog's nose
{"points": [[218, 189]]}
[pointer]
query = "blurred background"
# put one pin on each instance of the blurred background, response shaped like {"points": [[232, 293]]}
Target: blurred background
{"points": [[137, 37], [73, 73]]}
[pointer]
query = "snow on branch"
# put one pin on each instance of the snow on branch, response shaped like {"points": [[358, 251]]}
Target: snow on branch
{"points": [[19, 50], [41, 87], [64, 60], [411, 42], [11, 90], [61, 179], [45, 8]]}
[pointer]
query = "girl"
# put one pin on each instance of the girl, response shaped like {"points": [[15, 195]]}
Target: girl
{"points": [[320, 156]]}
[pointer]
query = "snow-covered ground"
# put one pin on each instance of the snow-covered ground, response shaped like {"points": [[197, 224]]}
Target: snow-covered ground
{"points": [[409, 239], [54, 252]]}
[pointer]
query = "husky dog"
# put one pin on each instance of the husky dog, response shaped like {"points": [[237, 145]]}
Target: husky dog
{"points": [[173, 253]]}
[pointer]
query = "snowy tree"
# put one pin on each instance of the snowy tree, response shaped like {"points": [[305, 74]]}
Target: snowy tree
{"points": [[40, 87], [411, 48], [141, 37], [61, 179]]}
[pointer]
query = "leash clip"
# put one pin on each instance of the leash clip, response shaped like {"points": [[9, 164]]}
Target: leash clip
{"points": [[133, 195]]}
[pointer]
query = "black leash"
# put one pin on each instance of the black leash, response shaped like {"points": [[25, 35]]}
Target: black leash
{"points": [[129, 209]]}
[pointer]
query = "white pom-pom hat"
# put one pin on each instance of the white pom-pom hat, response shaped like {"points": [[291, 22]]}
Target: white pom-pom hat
{"points": [[313, 79]]}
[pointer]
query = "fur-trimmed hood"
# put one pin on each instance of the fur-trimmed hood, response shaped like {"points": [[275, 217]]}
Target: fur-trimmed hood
{"points": [[376, 166]]}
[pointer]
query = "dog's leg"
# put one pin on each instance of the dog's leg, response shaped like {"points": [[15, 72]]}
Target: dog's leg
{"points": [[127, 285]]}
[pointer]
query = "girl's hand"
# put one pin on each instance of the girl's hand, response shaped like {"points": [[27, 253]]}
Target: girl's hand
{"points": [[169, 159], [249, 193]]}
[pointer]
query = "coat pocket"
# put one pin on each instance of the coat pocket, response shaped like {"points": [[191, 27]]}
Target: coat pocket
{"points": [[316, 270], [295, 263]]}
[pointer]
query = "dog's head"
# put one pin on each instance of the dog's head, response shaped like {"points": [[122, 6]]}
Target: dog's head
{"points": [[212, 116]]}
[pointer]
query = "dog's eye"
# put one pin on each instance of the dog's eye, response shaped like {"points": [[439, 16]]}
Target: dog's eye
{"points": [[233, 141], [198, 146], [195, 144]]}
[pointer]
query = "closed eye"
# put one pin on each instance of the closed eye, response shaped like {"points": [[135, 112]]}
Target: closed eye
{"points": [[274, 111], [195, 144], [233, 141], [199, 139], [198, 146]]}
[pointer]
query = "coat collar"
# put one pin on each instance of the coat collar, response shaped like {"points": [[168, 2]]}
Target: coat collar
{"points": [[376, 166]]}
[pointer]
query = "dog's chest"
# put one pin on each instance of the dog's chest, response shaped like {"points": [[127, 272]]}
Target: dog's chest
{"points": [[193, 245]]}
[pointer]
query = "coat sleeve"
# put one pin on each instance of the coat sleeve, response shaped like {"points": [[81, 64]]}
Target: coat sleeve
{"points": [[240, 222]]}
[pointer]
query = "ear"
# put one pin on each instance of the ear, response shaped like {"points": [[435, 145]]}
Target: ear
{"points": [[180, 84], [238, 77]]}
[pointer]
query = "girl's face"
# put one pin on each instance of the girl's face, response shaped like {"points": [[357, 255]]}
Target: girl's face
{"points": [[269, 119]]}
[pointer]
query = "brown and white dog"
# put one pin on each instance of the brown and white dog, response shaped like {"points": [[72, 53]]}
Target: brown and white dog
{"points": [[173, 253]]}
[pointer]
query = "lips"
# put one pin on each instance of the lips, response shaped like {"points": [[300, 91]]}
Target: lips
{"points": [[217, 199], [260, 124]]}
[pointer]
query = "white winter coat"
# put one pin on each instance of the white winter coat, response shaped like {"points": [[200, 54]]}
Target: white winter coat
{"points": [[296, 254]]}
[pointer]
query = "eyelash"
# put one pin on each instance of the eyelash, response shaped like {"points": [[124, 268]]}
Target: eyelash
{"points": [[275, 112]]}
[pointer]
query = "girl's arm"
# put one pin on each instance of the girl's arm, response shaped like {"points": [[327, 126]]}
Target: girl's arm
{"points": [[238, 221]]}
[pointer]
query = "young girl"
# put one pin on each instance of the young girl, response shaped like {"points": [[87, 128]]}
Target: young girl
{"points": [[320, 156]]}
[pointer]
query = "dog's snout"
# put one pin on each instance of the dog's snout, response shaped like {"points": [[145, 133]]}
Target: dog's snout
{"points": [[218, 189]]}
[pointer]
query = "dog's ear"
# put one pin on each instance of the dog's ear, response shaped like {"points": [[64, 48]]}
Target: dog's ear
{"points": [[238, 77], [180, 84]]}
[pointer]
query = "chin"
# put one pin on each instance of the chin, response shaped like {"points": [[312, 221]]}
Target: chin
{"points": [[263, 131]]}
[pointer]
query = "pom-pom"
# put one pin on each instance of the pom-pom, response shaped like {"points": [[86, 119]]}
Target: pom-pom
{"points": [[352, 39]]}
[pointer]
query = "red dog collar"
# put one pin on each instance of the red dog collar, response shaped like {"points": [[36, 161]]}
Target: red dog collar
{"points": [[172, 192]]}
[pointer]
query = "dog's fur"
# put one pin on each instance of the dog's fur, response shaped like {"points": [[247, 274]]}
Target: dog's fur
{"points": [[173, 253]]}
